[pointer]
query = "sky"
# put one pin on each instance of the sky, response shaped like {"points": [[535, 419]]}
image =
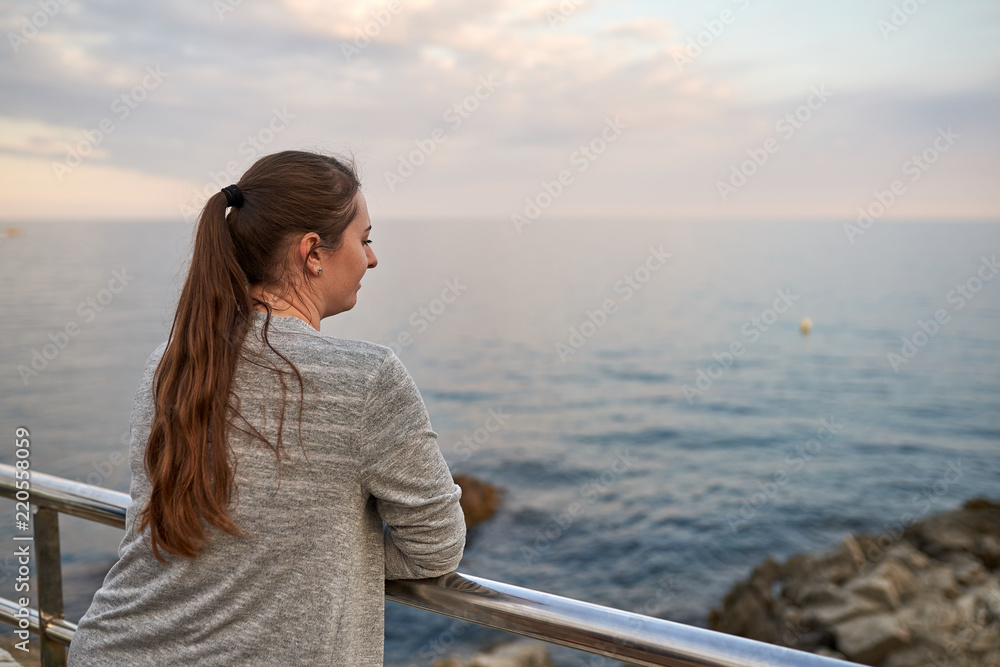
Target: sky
{"points": [[509, 110]]}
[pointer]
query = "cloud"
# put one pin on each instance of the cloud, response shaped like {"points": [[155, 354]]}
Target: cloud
{"points": [[645, 29], [22, 136], [229, 74]]}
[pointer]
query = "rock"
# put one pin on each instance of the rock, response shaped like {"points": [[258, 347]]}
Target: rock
{"points": [[968, 569], [948, 540], [830, 653], [870, 640], [813, 593], [753, 605], [899, 576], [924, 596], [906, 554], [986, 639], [853, 608], [479, 499], [516, 654], [988, 551], [940, 579], [912, 656], [960, 530], [930, 619], [878, 590], [509, 654], [841, 562], [886, 585]]}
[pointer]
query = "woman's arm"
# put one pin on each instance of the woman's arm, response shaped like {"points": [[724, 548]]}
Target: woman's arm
{"points": [[406, 473]]}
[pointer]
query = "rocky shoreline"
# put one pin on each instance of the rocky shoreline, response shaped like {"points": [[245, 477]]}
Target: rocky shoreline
{"points": [[922, 594], [927, 595]]}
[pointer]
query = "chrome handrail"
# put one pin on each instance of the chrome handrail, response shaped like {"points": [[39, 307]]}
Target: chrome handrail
{"points": [[75, 498], [637, 639], [58, 629]]}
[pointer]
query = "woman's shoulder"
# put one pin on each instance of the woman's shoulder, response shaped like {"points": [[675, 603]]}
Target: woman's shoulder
{"points": [[313, 347], [371, 365], [364, 354], [154, 358]]}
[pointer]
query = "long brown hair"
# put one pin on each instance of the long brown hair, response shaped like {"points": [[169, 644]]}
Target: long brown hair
{"points": [[286, 195]]}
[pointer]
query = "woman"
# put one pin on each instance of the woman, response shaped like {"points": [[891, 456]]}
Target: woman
{"points": [[273, 548]]}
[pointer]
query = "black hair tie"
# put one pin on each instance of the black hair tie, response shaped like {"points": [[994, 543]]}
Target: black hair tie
{"points": [[233, 196]]}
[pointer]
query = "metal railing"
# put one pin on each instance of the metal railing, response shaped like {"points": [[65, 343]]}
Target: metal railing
{"points": [[624, 636]]}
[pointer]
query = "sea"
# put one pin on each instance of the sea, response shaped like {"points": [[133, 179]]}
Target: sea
{"points": [[664, 404]]}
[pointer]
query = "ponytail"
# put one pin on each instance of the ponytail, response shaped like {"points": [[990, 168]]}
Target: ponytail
{"points": [[186, 457]]}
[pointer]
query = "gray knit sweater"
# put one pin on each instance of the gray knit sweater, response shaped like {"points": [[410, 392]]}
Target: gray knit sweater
{"points": [[366, 496]]}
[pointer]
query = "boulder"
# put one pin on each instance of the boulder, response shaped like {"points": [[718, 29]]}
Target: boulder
{"points": [[871, 639], [906, 554], [854, 607], [508, 654], [816, 593], [877, 590], [480, 499], [968, 569], [926, 596]]}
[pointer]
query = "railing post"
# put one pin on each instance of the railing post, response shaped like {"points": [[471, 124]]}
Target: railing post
{"points": [[49, 576]]}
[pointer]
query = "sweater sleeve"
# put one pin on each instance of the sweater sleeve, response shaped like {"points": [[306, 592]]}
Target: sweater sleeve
{"points": [[404, 470]]}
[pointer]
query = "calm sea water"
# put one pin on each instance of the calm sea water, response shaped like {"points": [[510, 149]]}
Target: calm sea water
{"points": [[643, 467]]}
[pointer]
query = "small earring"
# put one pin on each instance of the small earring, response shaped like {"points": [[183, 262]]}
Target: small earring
{"points": [[319, 272]]}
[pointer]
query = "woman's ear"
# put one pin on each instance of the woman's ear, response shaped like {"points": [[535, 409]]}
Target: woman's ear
{"points": [[307, 247]]}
